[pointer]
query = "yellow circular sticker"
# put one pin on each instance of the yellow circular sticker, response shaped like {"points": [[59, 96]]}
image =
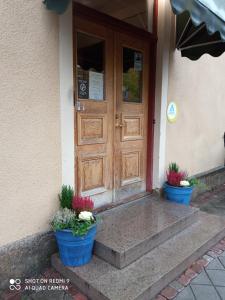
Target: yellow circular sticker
{"points": [[172, 112]]}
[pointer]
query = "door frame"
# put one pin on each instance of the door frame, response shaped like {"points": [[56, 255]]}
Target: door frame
{"points": [[120, 26]]}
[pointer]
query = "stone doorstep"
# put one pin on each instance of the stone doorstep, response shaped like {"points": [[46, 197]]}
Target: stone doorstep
{"points": [[149, 275], [175, 287], [130, 231]]}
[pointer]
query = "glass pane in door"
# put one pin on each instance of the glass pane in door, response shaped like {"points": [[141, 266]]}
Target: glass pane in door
{"points": [[132, 75], [90, 67]]}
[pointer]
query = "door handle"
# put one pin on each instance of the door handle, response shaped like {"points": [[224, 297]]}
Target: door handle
{"points": [[117, 123]]}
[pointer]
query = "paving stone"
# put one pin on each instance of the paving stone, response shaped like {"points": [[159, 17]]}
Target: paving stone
{"points": [[217, 250], [208, 258], [202, 262], [184, 280], [190, 273], [221, 291], [80, 296], [222, 254], [215, 265], [11, 297], [217, 277], [160, 297], [220, 246], [222, 260], [212, 254], [186, 294], [177, 286], [169, 293], [202, 278], [50, 295], [205, 292], [197, 268]]}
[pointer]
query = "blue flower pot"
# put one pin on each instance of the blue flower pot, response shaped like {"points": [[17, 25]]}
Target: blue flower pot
{"points": [[181, 195], [75, 251]]}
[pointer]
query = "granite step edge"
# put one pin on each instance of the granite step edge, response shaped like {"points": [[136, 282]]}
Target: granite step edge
{"points": [[124, 258]]}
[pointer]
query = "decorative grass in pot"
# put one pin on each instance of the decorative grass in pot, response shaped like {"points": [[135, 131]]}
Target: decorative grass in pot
{"points": [[178, 187], [75, 228]]}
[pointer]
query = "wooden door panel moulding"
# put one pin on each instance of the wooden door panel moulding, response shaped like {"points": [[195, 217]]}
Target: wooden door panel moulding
{"points": [[132, 127], [91, 129], [131, 167], [92, 174]]}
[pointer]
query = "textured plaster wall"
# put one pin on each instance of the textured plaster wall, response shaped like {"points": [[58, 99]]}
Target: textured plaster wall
{"points": [[195, 140], [30, 162]]}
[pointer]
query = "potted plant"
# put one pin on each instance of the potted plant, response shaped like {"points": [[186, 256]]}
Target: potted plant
{"points": [[75, 228], [178, 187]]}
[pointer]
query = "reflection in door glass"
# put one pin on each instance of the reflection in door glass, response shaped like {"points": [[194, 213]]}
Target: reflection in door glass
{"points": [[132, 75], [90, 67]]}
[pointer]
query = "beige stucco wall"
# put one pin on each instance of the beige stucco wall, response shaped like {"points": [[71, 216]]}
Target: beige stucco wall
{"points": [[30, 172], [195, 141]]}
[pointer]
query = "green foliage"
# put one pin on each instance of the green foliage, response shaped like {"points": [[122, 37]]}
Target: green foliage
{"points": [[131, 81], [173, 167], [80, 227], [66, 197], [63, 219], [194, 181], [67, 219]]}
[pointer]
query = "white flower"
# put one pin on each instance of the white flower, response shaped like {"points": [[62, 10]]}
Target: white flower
{"points": [[184, 183], [86, 216]]}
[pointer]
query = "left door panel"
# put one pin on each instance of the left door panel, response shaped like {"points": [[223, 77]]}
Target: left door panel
{"points": [[93, 81]]}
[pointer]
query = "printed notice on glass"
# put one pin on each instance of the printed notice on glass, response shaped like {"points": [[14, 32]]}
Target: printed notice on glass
{"points": [[95, 85]]}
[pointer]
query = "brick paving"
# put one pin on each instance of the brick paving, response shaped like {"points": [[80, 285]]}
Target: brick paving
{"points": [[203, 280]]}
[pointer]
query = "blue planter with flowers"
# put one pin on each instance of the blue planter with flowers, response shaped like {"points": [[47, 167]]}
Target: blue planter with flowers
{"points": [[75, 228], [75, 251], [181, 195], [178, 187]]}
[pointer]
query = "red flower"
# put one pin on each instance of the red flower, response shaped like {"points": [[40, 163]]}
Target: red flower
{"points": [[174, 178], [82, 204]]}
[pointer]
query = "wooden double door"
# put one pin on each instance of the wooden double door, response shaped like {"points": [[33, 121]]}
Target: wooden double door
{"points": [[111, 104]]}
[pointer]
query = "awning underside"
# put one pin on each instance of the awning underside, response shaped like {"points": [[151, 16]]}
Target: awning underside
{"points": [[194, 41], [200, 27], [209, 12]]}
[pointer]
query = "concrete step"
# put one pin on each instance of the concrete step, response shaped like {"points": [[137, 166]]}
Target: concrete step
{"points": [[147, 276], [129, 231]]}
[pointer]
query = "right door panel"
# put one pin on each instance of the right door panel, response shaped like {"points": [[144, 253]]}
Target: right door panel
{"points": [[132, 61]]}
